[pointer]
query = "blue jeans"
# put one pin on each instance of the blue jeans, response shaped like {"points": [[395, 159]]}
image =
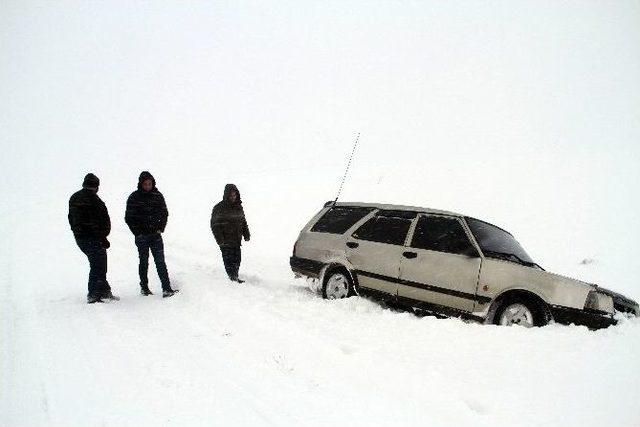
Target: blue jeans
{"points": [[153, 242], [97, 255]]}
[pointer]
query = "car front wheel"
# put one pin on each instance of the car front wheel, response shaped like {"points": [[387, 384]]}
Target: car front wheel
{"points": [[520, 312]]}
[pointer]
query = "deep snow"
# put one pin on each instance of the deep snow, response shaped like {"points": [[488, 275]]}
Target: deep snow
{"points": [[521, 114], [272, 352]]}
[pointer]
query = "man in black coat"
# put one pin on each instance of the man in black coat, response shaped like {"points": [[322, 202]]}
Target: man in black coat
{"points": [[90, 223], [146, 217], [229, 226]]}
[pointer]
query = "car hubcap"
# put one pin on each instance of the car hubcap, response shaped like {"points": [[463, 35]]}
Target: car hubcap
{"points": [[517, 314], [337, 287]]}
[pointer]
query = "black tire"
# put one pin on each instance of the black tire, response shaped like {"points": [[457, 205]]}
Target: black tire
{"points": [[538, 310], [331, 293]]}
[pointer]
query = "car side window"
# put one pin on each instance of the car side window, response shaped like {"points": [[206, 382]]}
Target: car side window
{"points": [[384, 229], [339, 219], [442, 234]]}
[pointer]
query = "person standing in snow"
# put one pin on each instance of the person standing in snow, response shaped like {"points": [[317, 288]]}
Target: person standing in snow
{"points": [[90, 223], [146, 216], [229, 226]]}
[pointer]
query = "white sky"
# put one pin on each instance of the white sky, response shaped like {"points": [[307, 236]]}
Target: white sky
{"points": [[523, 113]]}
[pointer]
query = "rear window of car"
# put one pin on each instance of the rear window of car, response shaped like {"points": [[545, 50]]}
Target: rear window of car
{"points": [[339, 219]]}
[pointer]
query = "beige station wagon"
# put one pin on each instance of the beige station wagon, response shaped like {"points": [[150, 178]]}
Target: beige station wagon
{"points": [[445, 264]]}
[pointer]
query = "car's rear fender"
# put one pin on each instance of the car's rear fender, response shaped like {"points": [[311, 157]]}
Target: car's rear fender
{"points": [[341, 265]]}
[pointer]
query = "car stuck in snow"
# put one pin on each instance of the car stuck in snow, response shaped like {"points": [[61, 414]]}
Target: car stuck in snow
{"points": [[443, 263]]}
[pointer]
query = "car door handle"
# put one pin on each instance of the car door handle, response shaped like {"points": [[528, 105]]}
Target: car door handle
{"points": [[352, 245], [409, 255]]}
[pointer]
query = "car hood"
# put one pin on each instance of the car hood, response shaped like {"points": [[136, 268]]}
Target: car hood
{"points": [[621, 303], [593, 286]]}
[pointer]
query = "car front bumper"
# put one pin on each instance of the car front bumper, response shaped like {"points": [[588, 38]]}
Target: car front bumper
{"points": [[592, 319]]}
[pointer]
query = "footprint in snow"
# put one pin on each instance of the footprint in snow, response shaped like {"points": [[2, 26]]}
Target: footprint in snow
{"points": [[346, 349], [476, 406]]}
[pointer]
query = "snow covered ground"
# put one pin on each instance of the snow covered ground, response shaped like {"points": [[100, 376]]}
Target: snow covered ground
{"points": [[271, 352], [525, 115]]}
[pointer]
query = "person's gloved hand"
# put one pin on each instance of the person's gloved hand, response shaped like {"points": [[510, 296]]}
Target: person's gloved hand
{"points": [[247, 238], [105, 243]]}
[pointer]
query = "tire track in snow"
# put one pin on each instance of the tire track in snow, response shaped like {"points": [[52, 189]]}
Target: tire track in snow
{"points": [[17, 315]]}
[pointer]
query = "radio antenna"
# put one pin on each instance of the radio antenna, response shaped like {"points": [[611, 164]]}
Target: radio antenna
{"points": [[346, 171]]}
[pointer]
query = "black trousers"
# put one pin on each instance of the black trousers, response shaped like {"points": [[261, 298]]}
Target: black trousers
{"points": [[153, 242], [231, 256], [97, 255]]}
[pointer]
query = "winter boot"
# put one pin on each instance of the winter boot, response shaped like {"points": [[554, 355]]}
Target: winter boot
{"points": [[144, 290], [169, 292], [92, 299], [110, 296]]}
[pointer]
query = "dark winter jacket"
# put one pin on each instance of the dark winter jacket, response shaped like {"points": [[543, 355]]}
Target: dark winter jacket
{"points": [[146, 210], [88, 215], [228, 222]]}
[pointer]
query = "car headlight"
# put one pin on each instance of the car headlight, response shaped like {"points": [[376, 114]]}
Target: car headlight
{"points": [[599, 302]]}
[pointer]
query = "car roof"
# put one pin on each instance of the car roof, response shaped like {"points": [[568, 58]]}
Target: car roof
{"points": [[394, 207], [409, 208]]}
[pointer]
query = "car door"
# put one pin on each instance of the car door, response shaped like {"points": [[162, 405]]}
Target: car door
{"points": [[375, 249], [441, 264]]}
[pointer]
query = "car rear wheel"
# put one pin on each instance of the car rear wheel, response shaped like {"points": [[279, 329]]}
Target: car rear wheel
{"points": [[521, 312], [337, 285]]}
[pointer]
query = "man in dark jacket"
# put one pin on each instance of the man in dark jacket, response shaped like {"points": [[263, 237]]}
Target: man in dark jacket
{"points": [[146, 217], [229, 226], [90, 223]]}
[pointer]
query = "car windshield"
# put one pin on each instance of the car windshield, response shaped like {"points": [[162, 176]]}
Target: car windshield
{"points": [[496, 242]]}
